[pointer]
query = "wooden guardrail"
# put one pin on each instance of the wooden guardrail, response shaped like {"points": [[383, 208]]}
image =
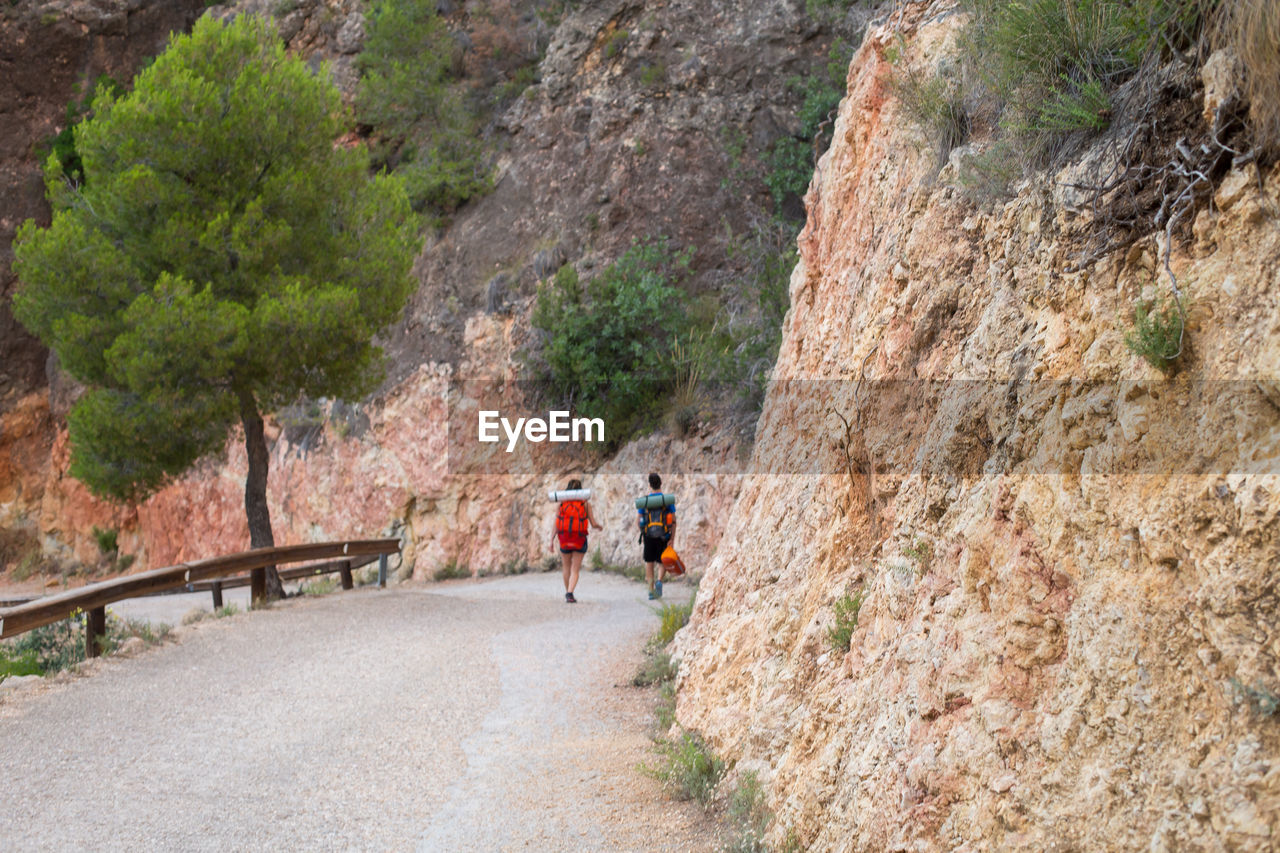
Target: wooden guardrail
{"points": [[343, 567], [93, 599]]}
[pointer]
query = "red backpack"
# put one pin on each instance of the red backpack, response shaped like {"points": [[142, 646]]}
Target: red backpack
{"points": [[571, 524]]}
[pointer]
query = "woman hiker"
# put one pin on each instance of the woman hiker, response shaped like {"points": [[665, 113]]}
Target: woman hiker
{"points": [[571, 529]]}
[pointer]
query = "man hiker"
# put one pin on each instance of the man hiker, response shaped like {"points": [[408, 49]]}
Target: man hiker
{"points": [[657, 521]]}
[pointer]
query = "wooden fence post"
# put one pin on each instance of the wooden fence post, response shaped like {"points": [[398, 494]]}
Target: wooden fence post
{"points": [[217, 595], [345, 571], [382, 570], [257, 586], [95, 627]]}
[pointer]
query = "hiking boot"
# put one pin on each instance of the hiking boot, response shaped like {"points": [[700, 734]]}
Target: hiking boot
{"points": [[657, 588], [651, 595], [569, 599]]}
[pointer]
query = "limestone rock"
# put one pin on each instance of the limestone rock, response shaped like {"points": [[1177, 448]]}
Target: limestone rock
{"points": [[1086, 659], [1223, 78]]}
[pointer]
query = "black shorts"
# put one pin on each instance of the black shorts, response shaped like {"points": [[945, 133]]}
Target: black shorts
{"points": [[653, 549], [582, 550]]}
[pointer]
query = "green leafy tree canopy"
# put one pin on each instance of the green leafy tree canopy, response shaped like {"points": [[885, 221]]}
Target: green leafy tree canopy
{"points": [[607, 348], [408, 95], [222, 256]]}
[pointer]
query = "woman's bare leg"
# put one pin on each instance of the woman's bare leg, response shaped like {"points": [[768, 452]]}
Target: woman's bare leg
{"points": [[566, 561], [571, 578]]}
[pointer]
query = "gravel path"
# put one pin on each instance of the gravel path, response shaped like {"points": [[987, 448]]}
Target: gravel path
{"points": [[464, 716]]}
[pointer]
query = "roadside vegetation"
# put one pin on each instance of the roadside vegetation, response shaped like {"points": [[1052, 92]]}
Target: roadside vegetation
{"points": [[53, 648], [685, 763]]}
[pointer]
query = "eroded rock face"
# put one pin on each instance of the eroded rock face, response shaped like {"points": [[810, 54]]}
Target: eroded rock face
{"points": [[1064, 644], [401, 468], [627, 136], [624, 137]]}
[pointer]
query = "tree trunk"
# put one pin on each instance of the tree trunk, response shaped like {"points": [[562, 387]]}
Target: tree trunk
{"points": [[266, 582]]}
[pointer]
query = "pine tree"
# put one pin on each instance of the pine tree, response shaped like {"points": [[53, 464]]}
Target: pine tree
{"points": [[222, 256]]}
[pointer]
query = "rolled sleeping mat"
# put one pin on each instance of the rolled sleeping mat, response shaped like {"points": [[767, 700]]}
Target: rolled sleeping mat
{"points": [[569, 495], [655, 501]]}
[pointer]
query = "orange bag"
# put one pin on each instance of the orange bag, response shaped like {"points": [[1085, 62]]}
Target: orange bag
{"points": [[670, 559]]}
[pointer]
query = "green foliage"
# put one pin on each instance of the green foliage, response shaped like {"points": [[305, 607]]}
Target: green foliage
{"points": [[409, 97], [846, 615], [451, 571], [53, 648], [921, 553], [18, 663], [749, 816], [615, 44], [1054, 64], [32, 563], [674, 617], [106, 540], [222, 256], [790, 160], [751, 317], [1157, 333], [936, 105], [319, 586], [522, 78], [653, 74], [63, 146], [1075, 106], [688, 767], [120, 629], [657, 669], [608, 344], [734, 140], [664, 713], [226, 610], [790, 168], [633, 572]]}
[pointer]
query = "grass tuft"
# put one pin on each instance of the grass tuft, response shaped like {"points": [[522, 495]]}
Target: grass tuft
{"points": [[319, 586], [451, 571], [688, 767], [106, 540], [1157, 333], [846, 612], [658, 668], [674, 617], [1252, 30], [936, 105]]}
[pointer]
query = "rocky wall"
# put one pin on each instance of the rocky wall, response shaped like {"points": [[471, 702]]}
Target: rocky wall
{"points": [[1068, 638], [623, 134]]}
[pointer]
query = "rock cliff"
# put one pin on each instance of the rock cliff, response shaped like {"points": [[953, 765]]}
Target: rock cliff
{"points": [[1068, 638], [621, 135]]}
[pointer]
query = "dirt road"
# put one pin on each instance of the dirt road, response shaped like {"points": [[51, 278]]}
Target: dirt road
{"points": [[464, 716]]}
